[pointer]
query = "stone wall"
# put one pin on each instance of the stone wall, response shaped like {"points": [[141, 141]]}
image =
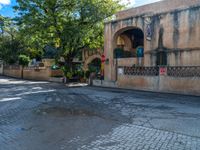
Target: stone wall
{"points": [[12, 71], [37, 74], [31, 73]]}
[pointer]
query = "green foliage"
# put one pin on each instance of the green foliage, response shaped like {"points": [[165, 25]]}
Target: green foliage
{"points": [[80, 74], [66, 25], [65, 70], [11, 45], [24, 60], [87, 74], [92, 69]]}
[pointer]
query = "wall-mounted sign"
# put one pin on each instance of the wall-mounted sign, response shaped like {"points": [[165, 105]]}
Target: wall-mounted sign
{"points": [[103, 58], [149, 33], [163, 71], [120, 71]]}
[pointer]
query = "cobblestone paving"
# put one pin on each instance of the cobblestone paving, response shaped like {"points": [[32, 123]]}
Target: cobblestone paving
{"points": [[48, 116], [132, 137]]}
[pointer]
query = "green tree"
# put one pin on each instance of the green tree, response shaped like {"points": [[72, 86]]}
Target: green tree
{"points": [[66, 25], [10, 43], [23, 61]]}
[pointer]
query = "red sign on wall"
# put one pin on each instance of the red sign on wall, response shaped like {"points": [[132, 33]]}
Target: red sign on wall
{"points": [[163, 71], [103, 58]]}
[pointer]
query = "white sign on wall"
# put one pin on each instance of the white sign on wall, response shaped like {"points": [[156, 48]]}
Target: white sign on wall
{"points": [[120, 71]]}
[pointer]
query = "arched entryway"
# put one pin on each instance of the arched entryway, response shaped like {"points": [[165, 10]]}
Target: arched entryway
{"points": [[128, 42], [93, 63]]}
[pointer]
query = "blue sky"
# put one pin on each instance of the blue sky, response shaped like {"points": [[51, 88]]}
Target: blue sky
{"points": [[6, 5]]}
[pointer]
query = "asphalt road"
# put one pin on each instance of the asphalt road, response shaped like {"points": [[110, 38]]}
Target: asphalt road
{"points": [[50, 116]]}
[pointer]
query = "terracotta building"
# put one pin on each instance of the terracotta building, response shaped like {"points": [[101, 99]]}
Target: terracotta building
{"points": [[155, 47]]}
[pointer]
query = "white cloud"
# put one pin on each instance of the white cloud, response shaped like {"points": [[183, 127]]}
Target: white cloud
{"points": [[5, 2], [135, 3], [144, 2], [128, 2]]}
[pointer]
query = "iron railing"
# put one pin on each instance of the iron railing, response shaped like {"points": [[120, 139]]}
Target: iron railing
{"points": [[141, 71], [183, 71]]}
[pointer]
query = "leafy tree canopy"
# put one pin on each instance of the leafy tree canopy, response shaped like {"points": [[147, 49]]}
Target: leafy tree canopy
{"points": [[66, 25], [24, 60], [10, 43]]}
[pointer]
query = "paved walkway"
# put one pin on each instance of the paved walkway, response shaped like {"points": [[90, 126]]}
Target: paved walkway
{"points": [[128, 137], [48, 116]]}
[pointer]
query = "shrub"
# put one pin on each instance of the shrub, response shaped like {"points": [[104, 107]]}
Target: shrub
{"points": [[87, 74], [24, 60]]}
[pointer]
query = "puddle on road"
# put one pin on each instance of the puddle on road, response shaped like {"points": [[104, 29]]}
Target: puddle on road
{"points": [[63, 112]]}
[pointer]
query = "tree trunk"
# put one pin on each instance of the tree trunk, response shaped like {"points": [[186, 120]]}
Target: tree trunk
{"points": [[22, 72]]}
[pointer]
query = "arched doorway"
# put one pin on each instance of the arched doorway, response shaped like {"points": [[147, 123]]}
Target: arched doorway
{"points": [[94, 60], [95, 65], [127, 42]]}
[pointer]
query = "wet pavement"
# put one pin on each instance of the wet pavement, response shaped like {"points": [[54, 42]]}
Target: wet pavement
{"points": [[50, 116]]}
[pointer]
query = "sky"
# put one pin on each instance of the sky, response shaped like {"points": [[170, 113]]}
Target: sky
{"points": [[6, 5]]}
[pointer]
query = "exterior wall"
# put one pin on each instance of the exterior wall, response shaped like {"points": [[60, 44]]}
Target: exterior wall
{"points": [[56, 73], [161, 84], [138, 82], [179, 21], [108, 52], [31, 73], [38, 74], [48, 62], [127, 61], [1, 68], [159, 7], [12, 72], [180, 85], [112, 30]]}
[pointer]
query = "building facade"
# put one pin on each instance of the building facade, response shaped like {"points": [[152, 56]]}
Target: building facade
{"points": [[147, 43]]}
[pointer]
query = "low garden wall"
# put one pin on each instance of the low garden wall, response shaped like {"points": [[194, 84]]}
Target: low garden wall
{"points": [[185, 79], [37, 74], [33, 73], [12, 71]]}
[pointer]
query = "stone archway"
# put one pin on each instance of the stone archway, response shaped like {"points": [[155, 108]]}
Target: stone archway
{"points": [[132, 37], [89, 60], [132, 47]]}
